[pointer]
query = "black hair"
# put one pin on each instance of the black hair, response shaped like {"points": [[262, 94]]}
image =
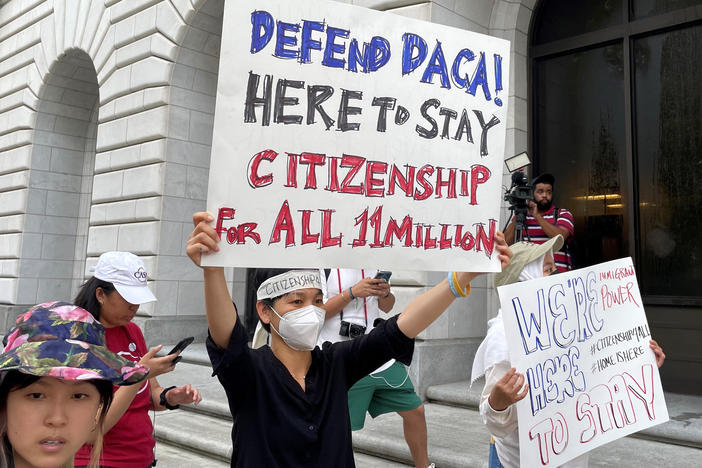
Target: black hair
{"points": [[260, 275], [86, 295], [16, 380]]}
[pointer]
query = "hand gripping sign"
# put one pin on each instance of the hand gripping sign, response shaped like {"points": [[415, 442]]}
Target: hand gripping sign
{"points": [[582, 340], [340, 130]]}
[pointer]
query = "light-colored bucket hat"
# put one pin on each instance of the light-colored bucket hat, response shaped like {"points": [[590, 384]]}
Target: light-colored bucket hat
{"points": [[523, 254]]}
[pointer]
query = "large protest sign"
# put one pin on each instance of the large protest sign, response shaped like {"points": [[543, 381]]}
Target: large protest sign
{"points": [[344, 135], [582, 340]]}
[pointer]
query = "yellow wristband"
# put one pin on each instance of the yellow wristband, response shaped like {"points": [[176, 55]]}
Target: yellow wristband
{"points": [[461, 291]]}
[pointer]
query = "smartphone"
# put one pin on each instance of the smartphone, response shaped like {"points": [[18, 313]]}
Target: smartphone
{"points": [[383, 275], [182, 344]]}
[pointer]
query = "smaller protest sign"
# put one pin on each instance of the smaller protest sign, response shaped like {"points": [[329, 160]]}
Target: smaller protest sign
{"points": [[582, 340]]}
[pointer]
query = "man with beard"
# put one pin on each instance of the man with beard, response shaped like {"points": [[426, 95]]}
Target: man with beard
{"points": [[545, 221]]}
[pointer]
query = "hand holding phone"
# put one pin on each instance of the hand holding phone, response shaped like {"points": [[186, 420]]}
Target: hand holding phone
{"points": [[182, 344], [383, 275]]}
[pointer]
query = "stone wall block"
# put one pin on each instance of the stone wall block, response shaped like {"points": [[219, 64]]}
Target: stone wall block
{"points": [[125, 8], [196, 182], [59, 24], [11, 223], [130, 156], [27, 290], [111, 134], [175, 178], [139, 238], [194, 100], [93, 19], [193, 58], [108, 186], [19, 59], [125, 31], [81, 19], [103, 53], [36, 201], [70, 24], [102, 239], [16, 80], [201, 125], [152, 71], [143, 181], [13, 181], [15, 139], [17, 119], [448, 17], [178, 209], [49, 225], [9, 268], [102, 27], [10, 245], [113, 85], [62, 204], [179, 123], [15, 159], [169, 22], [12, 100], [148, 125], [8, 290], [172, 238], [13, 202]]}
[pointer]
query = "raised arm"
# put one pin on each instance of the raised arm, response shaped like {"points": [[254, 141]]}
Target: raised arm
{"points": [[427, 307], [219, 308]]}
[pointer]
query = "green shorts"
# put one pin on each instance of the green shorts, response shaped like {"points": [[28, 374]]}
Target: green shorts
{"points": [[388, 391]]}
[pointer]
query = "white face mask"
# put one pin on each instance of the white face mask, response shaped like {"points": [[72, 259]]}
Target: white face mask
{"points": [[300, 328]]}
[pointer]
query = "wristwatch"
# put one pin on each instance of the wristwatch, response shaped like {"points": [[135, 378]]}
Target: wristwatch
{"points": [[163, 400]]}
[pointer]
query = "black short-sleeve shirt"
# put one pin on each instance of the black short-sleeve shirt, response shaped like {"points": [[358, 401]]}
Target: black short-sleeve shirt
{"points": [[276, 423]]}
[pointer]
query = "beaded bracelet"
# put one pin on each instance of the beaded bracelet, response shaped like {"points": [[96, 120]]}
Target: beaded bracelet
{"points": [[455, 287]]}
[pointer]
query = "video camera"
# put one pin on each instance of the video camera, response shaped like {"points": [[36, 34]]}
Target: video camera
{"points": [[518, 196], [520, 193]]}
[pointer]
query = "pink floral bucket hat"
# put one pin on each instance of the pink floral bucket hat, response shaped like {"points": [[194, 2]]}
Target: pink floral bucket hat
{"points": [[61, 340]]}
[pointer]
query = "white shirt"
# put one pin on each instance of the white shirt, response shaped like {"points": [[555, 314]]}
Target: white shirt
{"points": [[360, 311]]}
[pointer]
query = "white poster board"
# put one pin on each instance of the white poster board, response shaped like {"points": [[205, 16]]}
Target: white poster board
{"points": [[582, 340], [345, 137]]}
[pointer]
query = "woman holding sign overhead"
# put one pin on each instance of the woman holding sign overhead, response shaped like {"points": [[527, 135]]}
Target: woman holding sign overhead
{"points": [[504, 386], [289, 399]]}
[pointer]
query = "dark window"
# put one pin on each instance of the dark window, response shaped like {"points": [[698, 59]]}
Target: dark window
{"points": [[668, 126], [560, 19], [579, 133], [617, 117], [645, 8]]}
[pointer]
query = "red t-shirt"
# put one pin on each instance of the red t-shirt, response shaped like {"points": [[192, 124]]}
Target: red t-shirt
{"points": [[130, 443]]}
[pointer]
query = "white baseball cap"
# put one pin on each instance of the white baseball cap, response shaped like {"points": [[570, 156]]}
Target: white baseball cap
{"points": [[127, 273]]}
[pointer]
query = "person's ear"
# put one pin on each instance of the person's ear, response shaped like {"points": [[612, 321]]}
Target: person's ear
{"points": [[100, 295], [264, 312]]}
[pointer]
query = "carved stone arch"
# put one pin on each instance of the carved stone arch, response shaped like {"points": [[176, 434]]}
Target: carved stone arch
{"points": [[50, 152]]}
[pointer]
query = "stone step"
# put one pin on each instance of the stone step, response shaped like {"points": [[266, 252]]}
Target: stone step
{"points": [[458, 438], [456, 434], [683, 428]]}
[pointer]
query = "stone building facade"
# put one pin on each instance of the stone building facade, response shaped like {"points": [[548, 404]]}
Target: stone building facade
{"points": [[106, 114]]}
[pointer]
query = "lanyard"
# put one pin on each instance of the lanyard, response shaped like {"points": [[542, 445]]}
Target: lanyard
{"points": [[341, 291]]}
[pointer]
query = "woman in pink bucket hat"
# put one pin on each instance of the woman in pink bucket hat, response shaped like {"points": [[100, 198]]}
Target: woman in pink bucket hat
{"points": [[113, 296], [56, 386]]}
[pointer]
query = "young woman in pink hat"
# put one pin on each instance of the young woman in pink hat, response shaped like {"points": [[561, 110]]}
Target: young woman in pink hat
{"points": [[113, 296], [56, 390]]}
